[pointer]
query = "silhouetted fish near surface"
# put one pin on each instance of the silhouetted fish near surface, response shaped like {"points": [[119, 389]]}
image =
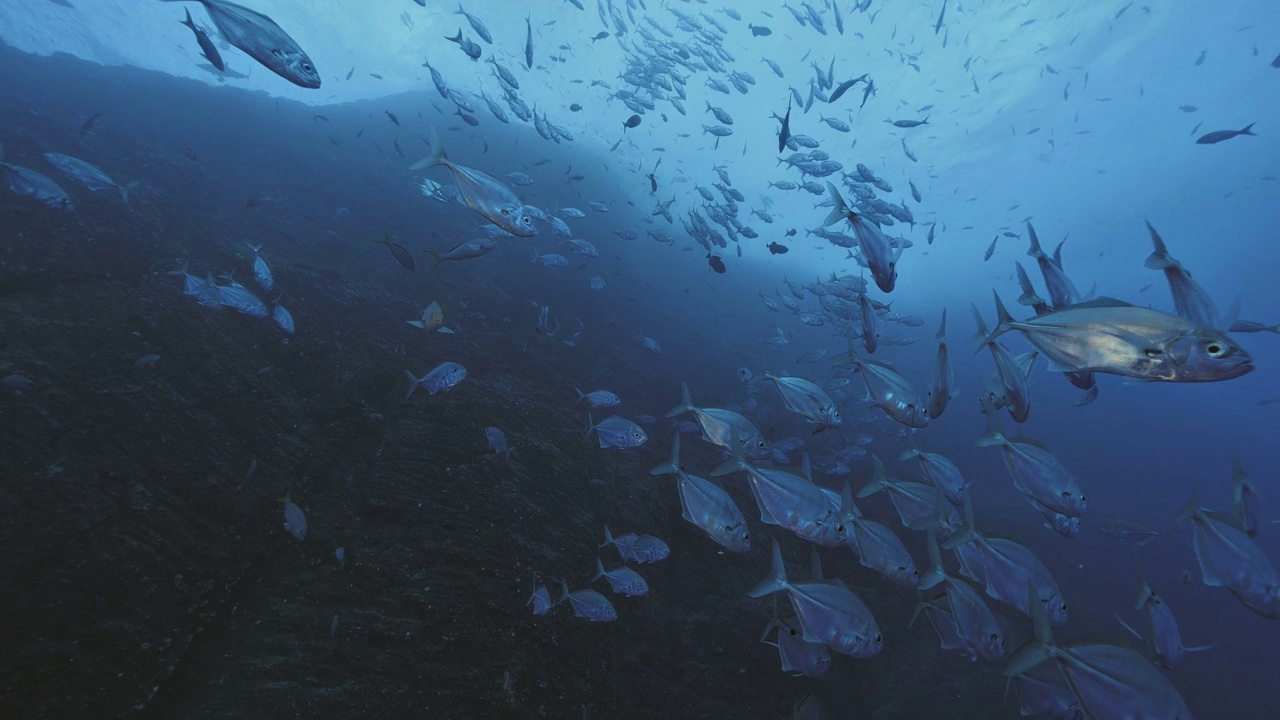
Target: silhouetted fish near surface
{"points": [[631, 122], [206, 45], [1218, 136], [777, 248], [263, 40], [715, 262], [760, 30]]}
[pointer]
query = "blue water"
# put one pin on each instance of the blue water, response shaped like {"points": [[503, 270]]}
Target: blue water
{"points": [[1084, 120]]}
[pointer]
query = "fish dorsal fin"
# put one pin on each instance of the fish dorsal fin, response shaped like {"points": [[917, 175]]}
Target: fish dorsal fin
{"points": [[1100, 302]]}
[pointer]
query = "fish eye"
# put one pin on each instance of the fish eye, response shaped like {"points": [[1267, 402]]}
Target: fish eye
{"points": [[1062, 606], [879, 638], [307, 67], [1215, 349], [506, 211], [528, 221], [760, 444]]}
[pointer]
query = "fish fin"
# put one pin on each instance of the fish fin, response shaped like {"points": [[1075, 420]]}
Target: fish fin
{"points": [[1040, 648], [994, 434], [435, 150], [848, 508], [599, 571], [941, 335], [1200, 648], [735, 463], [839, 210], [434, 256], [672, 467], [417, 323], [686, 403], [444, 330], [413, 384], [580, 395], [1034, 251], [879, 480], [777, 579], [608, 537], [1132, 631], [815, 564], [1248, 130], [590, 426], [124, 190], [935, 575], [1159, 259], [1004, 321], [1191, 506]]}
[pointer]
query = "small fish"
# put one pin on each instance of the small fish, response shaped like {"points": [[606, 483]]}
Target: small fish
{"points": [[482, 192], [432, 319], [498, 441], [616, 432], [589, 604], [1218, 136], [777, 248], [295, 521], [910, 123], [715, 263], [540, 600], [468, 46], [445, 376], [759, 30], [622, 580], [261, 271], [463, 251], [207, 47], [402, 256], [17, 383], [392, 117], [1129, 531], [631, 122], [599, 398], [147, 361]]}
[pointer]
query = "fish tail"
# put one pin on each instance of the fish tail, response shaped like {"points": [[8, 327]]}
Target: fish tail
{"points": [[608, 537], [592, 426], [1035, 250], [580, 395], [253, 247], [1028, 298], [124, 189], [186, 264], [1004, 321], [879, 479], [777, 579], [1040, 648], [686, 402], [457, 39], [435, 257], [941, 335], [564, 588], [188, 22], [673, 467], [1192, 506], [1248, 129], [1159, 259], [599, 571], [839, 211], [994, 434], [413, 384], [935, 574], [435, 150]]}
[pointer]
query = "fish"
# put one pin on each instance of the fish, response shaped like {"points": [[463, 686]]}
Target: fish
{"points": [[1129, 531], [1109, 336], [830, 614], [1062, 292], [540, 600], [777, 248], [1218, 136], [476, 25], [528, 44], [805, 398], [469, 47], [498, 442], [940, 387], [637, 548], [910, 123], [1189, 299], [890, 391], [844, 87], [723, 427], [468, 250], [715, 263], [877, 546], [589, 604], [599, 398], [1229, 558], [147, 361], [263, 40], [1108, 680], [706, 506], [295, 521], [798, 656], [432, 319], [784, 132], [38, 188], [759, 30], [975, 624], [207, 48], [1163, 636], [878, 252], [402, 256], [444, 377], [631, 122], [261, 271], [481, 192], [1036, 472], [616, 432], [622, 580], [941, 14]]}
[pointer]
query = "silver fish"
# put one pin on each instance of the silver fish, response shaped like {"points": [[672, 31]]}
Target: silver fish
{"points": [[876, 249], [482, 192], [720, 426], [706, 505], [1229, 558], [891, 392], [463, 251], [1163, 635], [87, 174], [1036, 472], [975, 624], [1110, 336], [623, 580], [34, 186], [616, 432], [263, 40], [445, 376], [806, 399], [261, 271], [589, 604], [940, 389], [1061, 290]]}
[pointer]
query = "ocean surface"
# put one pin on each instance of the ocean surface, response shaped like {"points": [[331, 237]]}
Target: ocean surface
{"points": [[211, 510]]}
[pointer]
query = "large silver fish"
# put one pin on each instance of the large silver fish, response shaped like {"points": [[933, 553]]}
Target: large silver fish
{"points": [[1229, 558], [263, 40], [482, 192], [891, 392], [975, 624], [34, 186], [707, 506], [881, 258], [722, 427], [807, 399], [87, 174], [1036, 472], [1110, 336]]}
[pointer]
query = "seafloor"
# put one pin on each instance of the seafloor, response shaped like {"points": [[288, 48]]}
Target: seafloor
{"points": [[146, 576]]}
